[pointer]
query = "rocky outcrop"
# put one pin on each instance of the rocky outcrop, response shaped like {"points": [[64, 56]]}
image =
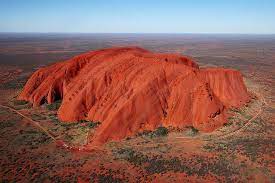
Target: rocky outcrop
{"points": [[130, 89]]}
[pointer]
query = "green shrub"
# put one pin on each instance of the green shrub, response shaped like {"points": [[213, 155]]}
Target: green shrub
{"points": [[192, 131], [20, 102], [159, 132], [90, 124], [235, 110], [54, 106], [38, 117], [228, 123], [93, 124], [54, 118]]}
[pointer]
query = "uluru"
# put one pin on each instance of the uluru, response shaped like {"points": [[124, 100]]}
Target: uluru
{"points": [[130, 89]]}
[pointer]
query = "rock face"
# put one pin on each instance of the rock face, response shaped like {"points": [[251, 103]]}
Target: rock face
{"points": [[130, 89]]}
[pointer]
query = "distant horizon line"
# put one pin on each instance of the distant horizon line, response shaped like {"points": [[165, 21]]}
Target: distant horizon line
{"points": [[136, 33]]}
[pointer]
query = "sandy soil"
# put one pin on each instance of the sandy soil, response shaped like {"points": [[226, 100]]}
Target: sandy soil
{"points": [[241, 151]]}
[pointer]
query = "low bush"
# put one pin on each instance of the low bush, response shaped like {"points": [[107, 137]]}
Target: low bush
{"points": [[228, 123], [54, 106], [192, 131], [20, 102], [90, 124], [159, 132]]}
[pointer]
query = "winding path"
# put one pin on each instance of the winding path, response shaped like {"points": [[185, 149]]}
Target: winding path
{"points": [[87, 148], [260, 111], [263, 103], [44, 130]]}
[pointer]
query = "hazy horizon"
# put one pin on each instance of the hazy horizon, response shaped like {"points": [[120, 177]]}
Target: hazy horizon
{"points": [[154, 16], [139, 33]]}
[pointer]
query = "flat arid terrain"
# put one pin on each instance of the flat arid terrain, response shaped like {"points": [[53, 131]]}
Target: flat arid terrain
{"points": [[35, 146]]}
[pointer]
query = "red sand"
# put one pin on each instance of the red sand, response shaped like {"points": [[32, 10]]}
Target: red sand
{"points": [[130, 89]]}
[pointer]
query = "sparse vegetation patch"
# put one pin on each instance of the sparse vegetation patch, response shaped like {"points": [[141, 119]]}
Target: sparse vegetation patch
{"points": [[54, 106], [197, 165], [159, 132], [245, 145], [20, 102], [192, 131]]}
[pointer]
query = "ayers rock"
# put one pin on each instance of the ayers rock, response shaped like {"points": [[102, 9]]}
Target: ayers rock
{"points": [[130, 89]]}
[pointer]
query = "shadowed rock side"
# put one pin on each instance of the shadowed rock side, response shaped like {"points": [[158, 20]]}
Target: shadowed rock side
{"points": [[130, 89]]}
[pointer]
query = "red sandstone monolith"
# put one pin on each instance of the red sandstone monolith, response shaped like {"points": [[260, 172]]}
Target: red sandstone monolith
{"points": [[130, 90]]}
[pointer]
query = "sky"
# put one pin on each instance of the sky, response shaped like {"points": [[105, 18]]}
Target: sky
{"points": [[138, 16]]}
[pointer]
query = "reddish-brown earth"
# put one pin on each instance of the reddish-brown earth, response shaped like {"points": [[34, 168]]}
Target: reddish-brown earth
{"points": [[130, 90], [240, 151]]}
